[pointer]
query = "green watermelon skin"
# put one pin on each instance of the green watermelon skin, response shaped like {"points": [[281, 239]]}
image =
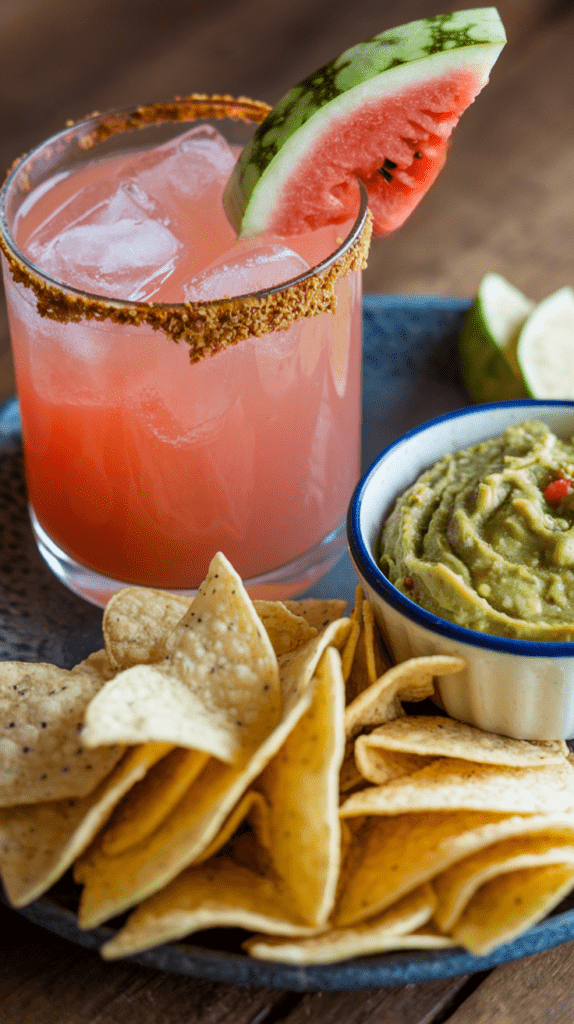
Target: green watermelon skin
{"points": [[382, 112]]}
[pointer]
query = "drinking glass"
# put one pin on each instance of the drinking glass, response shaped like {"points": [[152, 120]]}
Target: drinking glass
{"points": [[157, 433]]}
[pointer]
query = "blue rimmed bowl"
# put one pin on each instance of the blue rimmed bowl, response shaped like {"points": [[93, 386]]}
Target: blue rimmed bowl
{"points": [[520, 688]]}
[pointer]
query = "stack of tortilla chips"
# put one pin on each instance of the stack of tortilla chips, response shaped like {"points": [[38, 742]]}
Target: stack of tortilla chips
{"points": [[251, 764]]}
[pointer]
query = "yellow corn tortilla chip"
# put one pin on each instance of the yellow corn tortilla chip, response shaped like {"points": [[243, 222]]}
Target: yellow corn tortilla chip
{"points": [[344, 944], [380, 766], [350, 777], [356, 614], [318, 612], [217, 689], [456, 886], [376, 659], [450, 784], [216, 894], [509, 904], [301, 786], [377, 935], [43, 755], [39, 842], [252, 807], [369, 659], [137, 622], [389, 857], [434, 736], [411, 680], [349, 650], [113, 884], [285, 630], [151, 800]]}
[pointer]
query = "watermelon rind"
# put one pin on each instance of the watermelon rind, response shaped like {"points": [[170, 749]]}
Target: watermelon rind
{"points": [[396, 59]]}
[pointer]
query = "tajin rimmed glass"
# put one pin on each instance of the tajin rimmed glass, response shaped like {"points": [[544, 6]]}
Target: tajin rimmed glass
{"points": [[139, 465]]}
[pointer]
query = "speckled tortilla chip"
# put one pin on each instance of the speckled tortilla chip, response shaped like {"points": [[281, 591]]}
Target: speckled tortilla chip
{"points": [[409, 681], [219, 893], [510, 904], [39, 842], [301, 786], [43, 755], [137, 622], [390, 930], [456, 887], [389, 857], [113, 884], [318, 612], [285, 630], [217, 689], [434, 736], [447, 784]]}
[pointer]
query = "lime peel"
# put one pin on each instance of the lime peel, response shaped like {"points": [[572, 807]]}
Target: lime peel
{"points": [[488, 339], [545, 349]]}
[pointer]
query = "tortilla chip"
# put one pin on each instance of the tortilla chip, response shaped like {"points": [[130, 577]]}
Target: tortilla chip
{"points": [[382, 766], [150, 801], [377, 935], [301, 786], [137, 622], [509, 904], [348, 652], [285, 630], [216, 894], [434, 736], [113, 884], [410, 681], [217, 689], [456, 886], [252, 807], [356, 614], [318, 612], [39, 842], [43, 755], [369, 661], [350, 777], [448, 785], [389, 857]]}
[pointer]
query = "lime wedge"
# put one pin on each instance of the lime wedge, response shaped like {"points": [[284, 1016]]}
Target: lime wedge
{"points": [[488, 338], [545, 349]]}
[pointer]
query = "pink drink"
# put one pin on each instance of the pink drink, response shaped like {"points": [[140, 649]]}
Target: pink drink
{"points": [[139, 465]]}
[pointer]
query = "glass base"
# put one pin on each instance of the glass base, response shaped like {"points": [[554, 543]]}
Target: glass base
{"points": [[286, 582]]}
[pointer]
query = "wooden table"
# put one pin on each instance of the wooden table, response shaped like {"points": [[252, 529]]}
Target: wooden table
{"points": [[513, 213]]}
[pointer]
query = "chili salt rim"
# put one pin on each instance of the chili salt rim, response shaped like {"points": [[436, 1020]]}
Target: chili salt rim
{"points": [[207, 327]]}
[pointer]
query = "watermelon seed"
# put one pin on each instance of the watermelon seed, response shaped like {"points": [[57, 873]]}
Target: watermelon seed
{"points": [[389, 164], [417, 155], [386, 175]]}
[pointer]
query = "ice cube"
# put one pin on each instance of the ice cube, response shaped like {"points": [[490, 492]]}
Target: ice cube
{"points": [[122, 247], [251, 266], [187, 177], [186, 166]]}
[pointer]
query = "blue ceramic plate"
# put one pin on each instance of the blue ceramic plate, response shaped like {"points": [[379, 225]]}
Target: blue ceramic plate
{"points": [[410, 375]]}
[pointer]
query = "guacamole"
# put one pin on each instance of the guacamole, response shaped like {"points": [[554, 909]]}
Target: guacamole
{"points": [[485, 538]]}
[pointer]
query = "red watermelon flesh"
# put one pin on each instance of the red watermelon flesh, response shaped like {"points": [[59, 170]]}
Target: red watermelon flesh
{"points": [[397, 146]]}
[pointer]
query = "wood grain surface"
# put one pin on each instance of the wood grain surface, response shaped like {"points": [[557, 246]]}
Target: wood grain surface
{"points": [[505, 202]]}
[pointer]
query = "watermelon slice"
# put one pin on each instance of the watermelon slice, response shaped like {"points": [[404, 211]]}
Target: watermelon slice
{"points": [[383, 112]]}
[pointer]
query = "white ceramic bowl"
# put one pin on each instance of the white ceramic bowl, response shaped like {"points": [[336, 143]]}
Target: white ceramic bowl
{"points": [[520, 688]]}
